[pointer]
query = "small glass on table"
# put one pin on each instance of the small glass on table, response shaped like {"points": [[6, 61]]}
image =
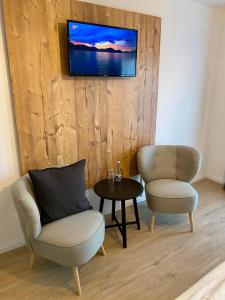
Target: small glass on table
{"points": [[111, 175]]}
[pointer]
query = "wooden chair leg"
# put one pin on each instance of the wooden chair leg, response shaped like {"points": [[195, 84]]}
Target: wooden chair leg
{"points": [[76, 279], [102, 250], [152, 222], [191, 222], [32, 261]]}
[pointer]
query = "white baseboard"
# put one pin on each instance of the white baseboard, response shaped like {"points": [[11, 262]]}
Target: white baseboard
{"points": [[13, 247], [197, 179], [217, 180]]}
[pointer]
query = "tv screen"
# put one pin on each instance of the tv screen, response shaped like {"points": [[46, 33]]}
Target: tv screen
{"points": [[97, 50]]}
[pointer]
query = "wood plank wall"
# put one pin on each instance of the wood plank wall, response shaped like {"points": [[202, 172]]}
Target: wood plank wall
{"points": [[62, 119]]}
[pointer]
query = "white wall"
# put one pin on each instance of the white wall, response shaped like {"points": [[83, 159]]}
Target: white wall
{"points": [[182, 94], [10, 232], [215, 156]]}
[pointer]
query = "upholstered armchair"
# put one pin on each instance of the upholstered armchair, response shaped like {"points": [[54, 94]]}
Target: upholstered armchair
{"points": [[70, 241], [167, 172]]}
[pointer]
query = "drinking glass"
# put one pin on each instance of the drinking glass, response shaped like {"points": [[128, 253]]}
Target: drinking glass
{"points": [[111, 175]]}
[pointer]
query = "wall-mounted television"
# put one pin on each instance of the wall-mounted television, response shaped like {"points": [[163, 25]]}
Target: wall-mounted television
{"points": [[100, 50]]}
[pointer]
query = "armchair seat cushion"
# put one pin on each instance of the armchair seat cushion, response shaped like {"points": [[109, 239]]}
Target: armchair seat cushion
{"points": [[72, 230], [72, 240], [171, 196], [169, 188]]}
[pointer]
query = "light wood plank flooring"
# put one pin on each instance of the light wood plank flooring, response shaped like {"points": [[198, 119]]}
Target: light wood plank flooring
{"points": [[157, 266]]}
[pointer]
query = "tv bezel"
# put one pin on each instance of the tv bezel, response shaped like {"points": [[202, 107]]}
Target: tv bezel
{"points": [[99, 75]]}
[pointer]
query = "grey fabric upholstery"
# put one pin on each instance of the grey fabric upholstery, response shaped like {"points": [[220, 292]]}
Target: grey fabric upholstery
{"points": [[29, 213], [70, 241], [168, 162], [79, 228], [171, 196], [167, 172]]}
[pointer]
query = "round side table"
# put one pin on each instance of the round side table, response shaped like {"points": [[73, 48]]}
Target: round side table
{"points": [[120, 191]]}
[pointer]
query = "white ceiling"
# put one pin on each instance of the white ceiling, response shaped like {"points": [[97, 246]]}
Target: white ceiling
{"points": [[213, 2]]}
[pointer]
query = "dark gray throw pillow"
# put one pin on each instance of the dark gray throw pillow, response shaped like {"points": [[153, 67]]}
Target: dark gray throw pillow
{"points": [[60, 192]]}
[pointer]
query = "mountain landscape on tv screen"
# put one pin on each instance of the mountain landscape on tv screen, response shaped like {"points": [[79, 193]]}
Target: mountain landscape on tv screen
{"points": [[101, 50], [88, 48]]}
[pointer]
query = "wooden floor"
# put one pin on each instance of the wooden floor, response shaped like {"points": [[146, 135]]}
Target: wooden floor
{"points": [[157, 266]]}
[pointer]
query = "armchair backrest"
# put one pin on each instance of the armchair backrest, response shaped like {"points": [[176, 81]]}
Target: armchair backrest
{"points": [[168, 162], [27, 208]]}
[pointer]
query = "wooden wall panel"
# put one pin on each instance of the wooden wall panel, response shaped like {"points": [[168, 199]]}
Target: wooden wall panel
{"points": [[62, 119]]}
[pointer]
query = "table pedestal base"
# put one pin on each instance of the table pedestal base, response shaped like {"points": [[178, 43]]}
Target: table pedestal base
{"points": [[122, 226]]}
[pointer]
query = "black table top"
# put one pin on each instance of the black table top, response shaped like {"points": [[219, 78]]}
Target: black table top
{"points": [[124, 190]]}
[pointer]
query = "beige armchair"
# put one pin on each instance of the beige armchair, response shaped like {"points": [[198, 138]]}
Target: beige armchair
{"points": [[70, 241], [167, 172]]}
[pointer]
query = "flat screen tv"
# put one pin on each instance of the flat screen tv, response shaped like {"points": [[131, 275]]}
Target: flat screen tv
{"points": [[100, 50]]}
